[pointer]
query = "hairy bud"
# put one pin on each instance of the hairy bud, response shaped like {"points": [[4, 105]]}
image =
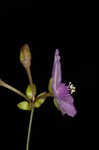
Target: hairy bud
{"points": [[25, 56]]}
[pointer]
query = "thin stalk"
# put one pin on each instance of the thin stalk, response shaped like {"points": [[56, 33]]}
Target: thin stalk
{"points": [[2, 83], [32, 105], [29, 129], [31, 81], [44, 96]]}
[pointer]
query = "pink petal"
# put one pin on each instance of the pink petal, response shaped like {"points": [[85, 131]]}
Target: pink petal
{"points": [[67, 108], [56, 72], [69, 99]]}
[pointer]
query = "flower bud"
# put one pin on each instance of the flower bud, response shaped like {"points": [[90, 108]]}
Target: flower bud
{"points": [[25, 56]]}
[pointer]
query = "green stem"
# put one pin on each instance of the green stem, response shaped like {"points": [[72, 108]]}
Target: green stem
{"points": [[3, 84], [44, 96], [29, 129], [31, 81], [32, 111]]}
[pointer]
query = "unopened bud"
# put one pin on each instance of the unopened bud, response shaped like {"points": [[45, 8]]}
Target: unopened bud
{"points": [[25, 56]]}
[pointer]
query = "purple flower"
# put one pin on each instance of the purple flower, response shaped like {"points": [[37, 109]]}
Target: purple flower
{"points": [[60, 90]]}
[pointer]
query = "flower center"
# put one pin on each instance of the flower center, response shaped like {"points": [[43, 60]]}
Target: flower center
{"points": [[71, 88], [62, 91]]}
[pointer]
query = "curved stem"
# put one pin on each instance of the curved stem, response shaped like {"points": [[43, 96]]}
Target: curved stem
{"points": [[2, 83], [44, 96], [29, 129]]}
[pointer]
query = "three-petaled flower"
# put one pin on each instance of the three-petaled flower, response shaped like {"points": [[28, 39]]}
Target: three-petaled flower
{"points": [[60, 90]]}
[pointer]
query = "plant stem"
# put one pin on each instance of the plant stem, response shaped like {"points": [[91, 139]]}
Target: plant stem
{"points": [[44, 96], [29, 129], [2, 83], [31, 81], [32, 105]]}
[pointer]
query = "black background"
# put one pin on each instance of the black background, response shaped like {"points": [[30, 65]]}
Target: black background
{"points": [[50, 129]]}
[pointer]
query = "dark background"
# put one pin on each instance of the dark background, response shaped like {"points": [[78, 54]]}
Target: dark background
{"points": [[74, 40]]}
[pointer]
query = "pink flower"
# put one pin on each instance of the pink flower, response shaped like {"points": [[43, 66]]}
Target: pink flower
{"points": [[60, 90]]}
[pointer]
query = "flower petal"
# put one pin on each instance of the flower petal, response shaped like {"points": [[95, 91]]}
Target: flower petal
{"points": [[69, 99], [56, 72], [67, 108], [62, 91]]}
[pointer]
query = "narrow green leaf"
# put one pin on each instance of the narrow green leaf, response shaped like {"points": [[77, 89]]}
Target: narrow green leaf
{"points": [[39, 101], [29, 91], [24, 105], [50, 86]]}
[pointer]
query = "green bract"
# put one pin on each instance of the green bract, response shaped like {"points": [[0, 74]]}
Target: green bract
{"points": [[49, 85], [55, 103], [24, 105], [29, 91], [39, 101], [50, 90]]}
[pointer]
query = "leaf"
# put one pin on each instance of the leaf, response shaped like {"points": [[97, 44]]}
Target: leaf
{"points": [[29, 91], [50, 86], [56, 104], [24, 105], [39, 101]]}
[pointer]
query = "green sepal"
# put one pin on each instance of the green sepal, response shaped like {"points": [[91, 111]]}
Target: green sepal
{"points": [[56, 104], [39, 101], [24, 105], [29, 91], [50, 86]]}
